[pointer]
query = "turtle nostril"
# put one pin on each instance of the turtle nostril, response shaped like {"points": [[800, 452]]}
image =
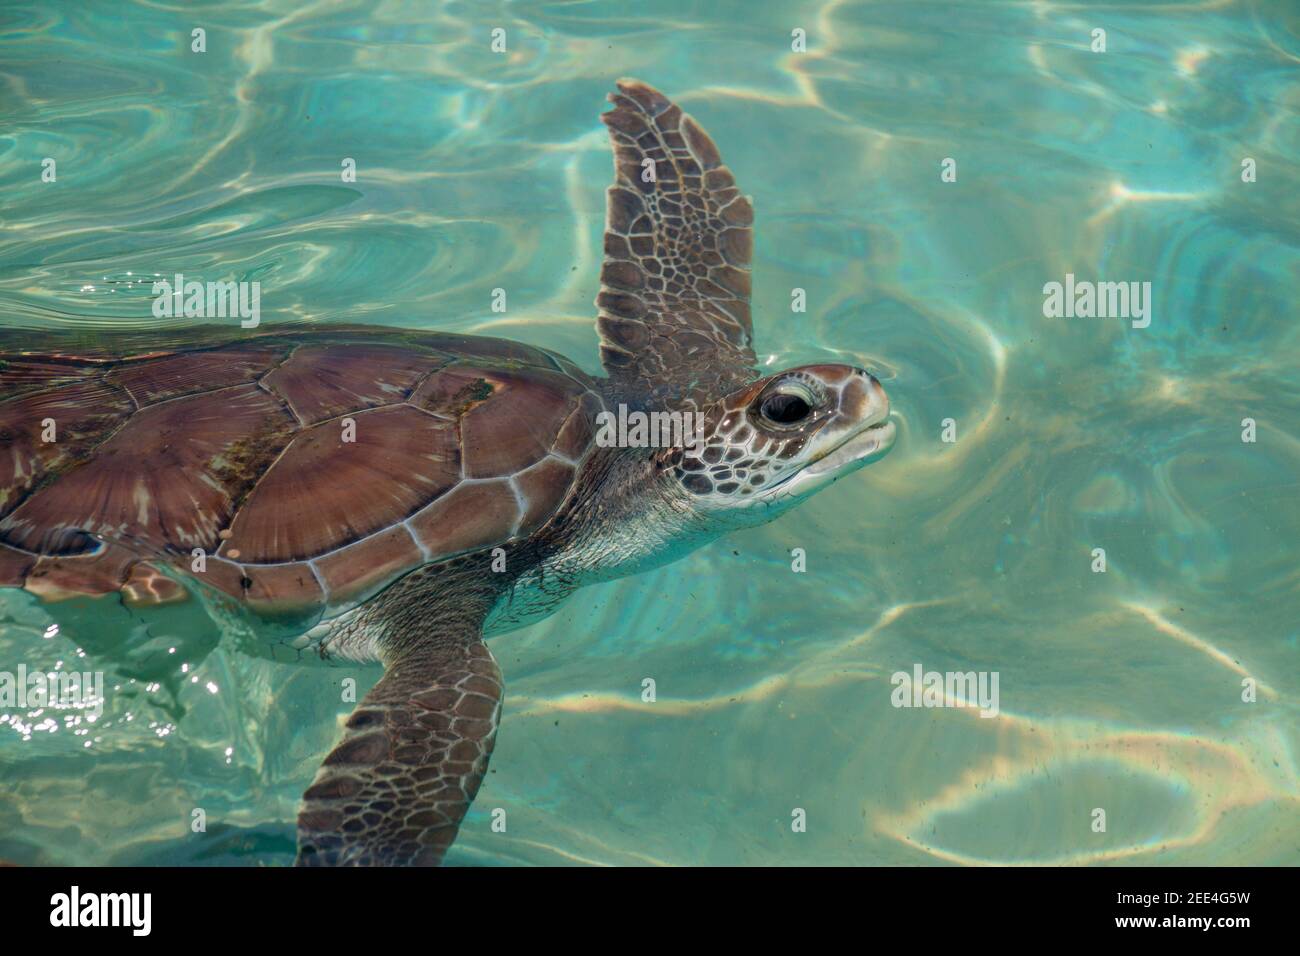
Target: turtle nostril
{"points": [[868, 376], [873, 396]]}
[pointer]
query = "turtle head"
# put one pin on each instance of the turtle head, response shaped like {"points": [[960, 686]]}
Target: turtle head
{"points": [[780, 439]]}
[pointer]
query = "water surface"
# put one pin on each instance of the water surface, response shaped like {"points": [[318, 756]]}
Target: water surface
{"points": [[479, 170]]}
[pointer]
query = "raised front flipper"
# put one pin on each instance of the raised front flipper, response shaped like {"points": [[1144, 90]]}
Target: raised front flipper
{"points": [[674, 321], [394, 791]]}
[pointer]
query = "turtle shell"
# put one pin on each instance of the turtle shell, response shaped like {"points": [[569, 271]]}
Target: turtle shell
{"points": [[311, 469]]}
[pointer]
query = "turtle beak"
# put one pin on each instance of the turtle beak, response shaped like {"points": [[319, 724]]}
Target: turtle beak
{"points": [[861, 429]]}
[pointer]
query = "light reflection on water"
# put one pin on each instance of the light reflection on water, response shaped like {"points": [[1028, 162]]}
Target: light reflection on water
{"points": [[476, 171]]}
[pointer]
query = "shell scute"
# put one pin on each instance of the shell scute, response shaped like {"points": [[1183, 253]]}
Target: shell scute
{"points": [[82, 414], [453, 391], [282, 588], [157, 380], [324, 492], [224, 575], [579, 428], [472, 516], [540, 486], [324, 381], [271, 589], [491, 351], [520, 424], [153, 479], [355, 572], [27, 373]]}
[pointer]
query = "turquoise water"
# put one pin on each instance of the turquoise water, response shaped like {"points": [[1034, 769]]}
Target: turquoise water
{"points": [[479, 170]]}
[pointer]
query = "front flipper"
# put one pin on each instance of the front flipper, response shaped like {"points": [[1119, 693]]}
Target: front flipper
{"points": [[674, 320], [394, 791]]}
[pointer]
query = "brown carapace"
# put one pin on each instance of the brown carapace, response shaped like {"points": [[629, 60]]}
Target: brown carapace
{"points": [[309, 469]]}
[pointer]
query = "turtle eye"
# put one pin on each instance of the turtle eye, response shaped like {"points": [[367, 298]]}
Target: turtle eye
{"points": [[788, 404]]}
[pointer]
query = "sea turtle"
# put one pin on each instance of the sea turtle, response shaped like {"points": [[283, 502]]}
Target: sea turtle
{"points": [[396, 496]]}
